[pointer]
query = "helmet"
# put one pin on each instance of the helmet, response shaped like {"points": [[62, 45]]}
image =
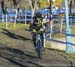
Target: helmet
{"points": [[38, 15]]}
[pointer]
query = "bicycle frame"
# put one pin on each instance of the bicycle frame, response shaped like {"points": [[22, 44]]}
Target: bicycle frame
{"points": [[39, 45], [38, 38]]}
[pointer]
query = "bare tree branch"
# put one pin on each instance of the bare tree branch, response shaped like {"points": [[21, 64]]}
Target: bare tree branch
{"points": [[33, 5], [70, 5], [30, 2]]}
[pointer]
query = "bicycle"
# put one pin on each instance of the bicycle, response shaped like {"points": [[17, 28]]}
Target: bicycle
{"points": [[39, 47]]}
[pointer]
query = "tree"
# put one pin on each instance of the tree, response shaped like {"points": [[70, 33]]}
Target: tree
{"points": [[16, 7], [44, 3], [71, 5], [16, 3], [4, 10], [33, 5]]}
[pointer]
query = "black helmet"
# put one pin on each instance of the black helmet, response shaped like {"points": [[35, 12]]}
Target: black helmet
{"points": [[38, 15]]}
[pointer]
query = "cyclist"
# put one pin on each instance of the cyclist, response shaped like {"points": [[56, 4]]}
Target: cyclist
{"points": [[38, 26]]}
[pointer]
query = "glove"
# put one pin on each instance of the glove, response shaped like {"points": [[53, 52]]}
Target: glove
{"points": [[41, 29], [33, 30]]}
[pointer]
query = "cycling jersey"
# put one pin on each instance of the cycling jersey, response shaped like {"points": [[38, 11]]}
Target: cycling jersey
{"points": [[38, 26]]}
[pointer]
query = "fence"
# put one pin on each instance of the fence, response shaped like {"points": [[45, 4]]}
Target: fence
{"points": [[11, 17], [26, 15]]}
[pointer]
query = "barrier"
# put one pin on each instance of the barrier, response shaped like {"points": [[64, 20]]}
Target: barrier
{"points": [[26, 15], [21, 16]]}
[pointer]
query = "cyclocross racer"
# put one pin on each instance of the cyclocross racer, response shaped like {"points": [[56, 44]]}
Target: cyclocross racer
{"points": [[38, 26]]}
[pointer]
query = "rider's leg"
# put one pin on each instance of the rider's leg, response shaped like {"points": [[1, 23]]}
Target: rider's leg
{"points": [[34, 39]]}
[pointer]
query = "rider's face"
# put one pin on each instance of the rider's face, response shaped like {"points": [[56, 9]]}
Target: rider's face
{"points": [[38, 19]]}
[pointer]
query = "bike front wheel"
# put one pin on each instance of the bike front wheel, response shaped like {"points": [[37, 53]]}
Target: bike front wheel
{"points": [[39, 49]]}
